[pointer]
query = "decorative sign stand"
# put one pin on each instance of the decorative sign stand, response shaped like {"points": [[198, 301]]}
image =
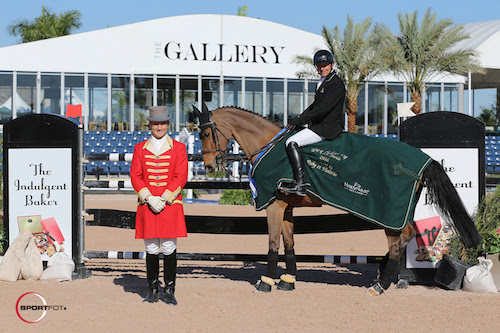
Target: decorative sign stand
{"points": [[43, 183], [457, 142]]}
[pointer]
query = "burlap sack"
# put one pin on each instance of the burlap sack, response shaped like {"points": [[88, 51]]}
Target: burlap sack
{"points": [[14, 257], [32, 267], [59, 267]]}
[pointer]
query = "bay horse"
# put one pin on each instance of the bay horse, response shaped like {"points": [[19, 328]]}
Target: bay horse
{"points": [[253, 133]]}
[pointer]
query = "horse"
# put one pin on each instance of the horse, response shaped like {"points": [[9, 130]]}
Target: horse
{"points": [[253, 133]]}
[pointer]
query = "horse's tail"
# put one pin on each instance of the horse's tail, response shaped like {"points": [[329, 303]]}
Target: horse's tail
{"points": [[444, 196]]}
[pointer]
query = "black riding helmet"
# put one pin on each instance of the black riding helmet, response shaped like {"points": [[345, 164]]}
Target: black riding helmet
{"points": [[323, 57]]}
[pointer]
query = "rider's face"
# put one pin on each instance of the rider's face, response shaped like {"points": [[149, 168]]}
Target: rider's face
{"points": [[324, 69]]}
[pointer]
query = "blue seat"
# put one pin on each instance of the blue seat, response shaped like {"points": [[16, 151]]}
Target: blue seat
{"points": [[124, 167], [114, 168]]}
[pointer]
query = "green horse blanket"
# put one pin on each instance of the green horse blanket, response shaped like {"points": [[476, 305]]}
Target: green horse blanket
{"points": [[373, 178]]}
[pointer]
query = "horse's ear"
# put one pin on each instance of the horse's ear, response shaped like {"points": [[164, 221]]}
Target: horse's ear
{"points": [[205, 109], [197, 113]]}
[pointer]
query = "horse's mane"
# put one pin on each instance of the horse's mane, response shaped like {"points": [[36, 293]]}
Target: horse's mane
{"points": [[251, 112]]}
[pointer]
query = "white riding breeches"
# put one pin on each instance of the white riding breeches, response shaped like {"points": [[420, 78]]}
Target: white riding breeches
{"points": [[156, 245], [305, 137]]}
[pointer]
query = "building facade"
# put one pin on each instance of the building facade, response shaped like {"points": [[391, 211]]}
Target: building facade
{"points": [[222, 60]]}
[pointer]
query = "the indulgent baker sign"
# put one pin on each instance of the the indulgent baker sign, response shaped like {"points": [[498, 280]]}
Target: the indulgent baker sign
{"points": [[40, 196]]}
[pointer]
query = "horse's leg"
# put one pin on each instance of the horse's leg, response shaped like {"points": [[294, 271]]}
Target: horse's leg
{"points": [[275, 214], [397, 242], [287, 281]]}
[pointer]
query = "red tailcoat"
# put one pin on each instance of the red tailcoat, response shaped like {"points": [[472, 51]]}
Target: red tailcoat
{"points": [[160, 173]]}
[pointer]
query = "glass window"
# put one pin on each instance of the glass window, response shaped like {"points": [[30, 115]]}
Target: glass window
{"points": [[211, 88], [232, 92], [433, 98], [26, 89], [166, 97], [253, 95], [296, 98], [51, 93], [6, 97], [450, 98], [376, 107], [143, 96], [360, 115], [395, 95], [275, 103], [98, 103], [73, 90], [120, 90], [189, 96]]}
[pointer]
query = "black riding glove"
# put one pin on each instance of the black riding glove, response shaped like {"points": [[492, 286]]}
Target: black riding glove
{"points": [[295, 122]]}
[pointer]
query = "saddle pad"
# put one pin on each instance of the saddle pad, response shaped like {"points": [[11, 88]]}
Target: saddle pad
{"points": [[32, 223], [373, 178], [51, 228]]}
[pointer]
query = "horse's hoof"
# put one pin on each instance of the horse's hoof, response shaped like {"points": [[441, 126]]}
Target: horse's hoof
{"points": [[375, 290], [264, 284], [287, 282]]}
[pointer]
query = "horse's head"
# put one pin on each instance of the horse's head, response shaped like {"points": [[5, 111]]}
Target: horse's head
{"points": [[213, 141]]}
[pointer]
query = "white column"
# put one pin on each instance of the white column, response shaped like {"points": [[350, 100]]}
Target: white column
{"points": [[460, 101], [386, 105], [131, 101], [264, 97], [38, 92], [61, 100], [423, 96], [200, 93], [367, 109], [469, 85], [243, 93], [221, 91], [177, 102], [285, 101], [14, 94], [441, 102], [155, 89], [110, 101], [86, 101], [306, 94]]}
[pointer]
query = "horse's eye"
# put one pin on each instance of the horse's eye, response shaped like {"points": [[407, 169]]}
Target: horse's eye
{"points": [[206, 134]]}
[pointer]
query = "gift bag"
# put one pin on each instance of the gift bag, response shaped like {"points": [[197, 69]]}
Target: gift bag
{"points": [[32, 267], [14, 257], [478, 278], [59, 267]]}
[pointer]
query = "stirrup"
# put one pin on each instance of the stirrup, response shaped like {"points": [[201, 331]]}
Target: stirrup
{"points": [[294, 188]]}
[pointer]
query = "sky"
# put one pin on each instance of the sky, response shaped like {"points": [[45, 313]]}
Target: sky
{"points": [[308, 15]]}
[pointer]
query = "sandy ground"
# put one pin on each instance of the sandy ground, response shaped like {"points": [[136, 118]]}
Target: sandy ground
{"points": [[219, 297]]}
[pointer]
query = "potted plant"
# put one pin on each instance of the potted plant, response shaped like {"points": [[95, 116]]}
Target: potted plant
{"points": [[487, 220]]}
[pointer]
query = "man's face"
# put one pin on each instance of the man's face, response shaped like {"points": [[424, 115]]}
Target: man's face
{"points": [[159, 128], [324, 69]]}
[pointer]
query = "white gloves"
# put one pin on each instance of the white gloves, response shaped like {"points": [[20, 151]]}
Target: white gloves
{"points": [[156, 203]]}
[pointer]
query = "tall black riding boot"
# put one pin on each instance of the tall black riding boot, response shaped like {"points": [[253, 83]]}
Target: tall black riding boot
{"points": [[169, 274], [152, 271], [299, 185]]}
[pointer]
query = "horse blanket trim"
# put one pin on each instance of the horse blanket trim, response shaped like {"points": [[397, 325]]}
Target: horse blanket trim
{"points": [[392, 162]]}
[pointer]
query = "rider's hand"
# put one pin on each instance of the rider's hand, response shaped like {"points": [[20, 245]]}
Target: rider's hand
{"points": [[295, 122]]}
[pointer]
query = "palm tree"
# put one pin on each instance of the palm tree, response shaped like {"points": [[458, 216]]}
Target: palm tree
{"points": [[420, 54], [47, 25], [243, 11], [356, 59]]}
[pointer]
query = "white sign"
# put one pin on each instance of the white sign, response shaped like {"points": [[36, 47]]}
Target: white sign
{"points": [[462, 167], [40, 193]]}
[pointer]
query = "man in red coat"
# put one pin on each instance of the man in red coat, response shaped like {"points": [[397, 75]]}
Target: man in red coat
{"points": [[158, 173]]}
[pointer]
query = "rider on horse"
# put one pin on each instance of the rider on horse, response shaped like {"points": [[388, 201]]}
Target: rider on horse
{"points": [[324, 117]]}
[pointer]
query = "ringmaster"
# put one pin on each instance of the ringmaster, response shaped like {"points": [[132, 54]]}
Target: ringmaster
{"points": [[158, 173]]}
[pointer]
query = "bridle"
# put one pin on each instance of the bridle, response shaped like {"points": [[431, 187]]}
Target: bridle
{"points": [[222, 156]]}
